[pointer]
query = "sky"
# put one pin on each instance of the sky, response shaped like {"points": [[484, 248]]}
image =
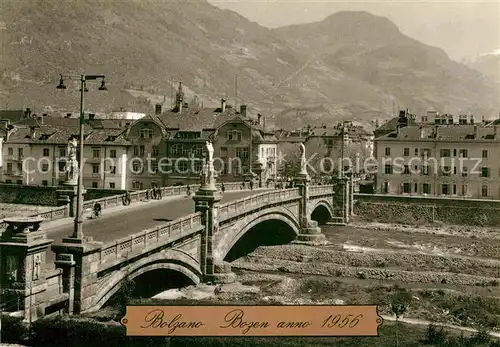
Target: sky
{"points": [[464, 29]]}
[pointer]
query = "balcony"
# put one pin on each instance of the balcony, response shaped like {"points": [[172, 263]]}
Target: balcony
{"points": [[94, 160], [14, 157], [14, 173]]}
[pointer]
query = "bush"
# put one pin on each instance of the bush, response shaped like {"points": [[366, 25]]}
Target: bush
{"points": [[14, 330], [435, 335]]}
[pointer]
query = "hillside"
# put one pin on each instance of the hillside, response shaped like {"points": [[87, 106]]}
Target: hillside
{"points": [[349, 64]]}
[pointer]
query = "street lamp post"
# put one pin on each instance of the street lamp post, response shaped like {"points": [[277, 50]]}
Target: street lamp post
{"points": [[78, 230]]}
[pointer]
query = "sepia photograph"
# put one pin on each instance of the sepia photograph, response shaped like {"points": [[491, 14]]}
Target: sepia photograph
{"points": [[250, 173]]}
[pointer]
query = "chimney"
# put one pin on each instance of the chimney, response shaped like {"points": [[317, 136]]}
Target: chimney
{"points": [[483, 120], [243, 110], [421, 128], [157, 109], [32, 132], [223, 105], [179, 98], [259, 119], [471, 119]]}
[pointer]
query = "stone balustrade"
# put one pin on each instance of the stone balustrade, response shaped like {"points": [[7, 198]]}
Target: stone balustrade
{"points": [[151, 238], [238, 207], [135, 196], [320, 190]]}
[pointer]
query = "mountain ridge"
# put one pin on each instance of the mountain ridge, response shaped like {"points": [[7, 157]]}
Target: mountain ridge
{"points": [[146, 47]]}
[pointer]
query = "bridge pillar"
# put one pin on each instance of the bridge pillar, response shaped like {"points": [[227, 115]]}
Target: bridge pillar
{"points": [[23, 281], [68, 197], [214, 270], [79, 262], [341, 200], [310, 232]]}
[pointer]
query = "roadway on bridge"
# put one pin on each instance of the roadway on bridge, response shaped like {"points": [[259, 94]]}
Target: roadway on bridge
{"points": [[114, 226]]}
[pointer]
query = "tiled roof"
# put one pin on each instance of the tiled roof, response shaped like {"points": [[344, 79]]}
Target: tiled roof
{"points": [[196, 119], [449, 133], [60, 135], [13, 116]]}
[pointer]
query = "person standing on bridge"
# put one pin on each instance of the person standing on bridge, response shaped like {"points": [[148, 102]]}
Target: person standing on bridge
{"points": [[222, 187], [251, 184], [188, 190]]}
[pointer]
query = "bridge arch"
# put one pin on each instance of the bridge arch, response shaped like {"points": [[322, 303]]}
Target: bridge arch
{"points": [[173, 259], [321, 211], [231, 234]]}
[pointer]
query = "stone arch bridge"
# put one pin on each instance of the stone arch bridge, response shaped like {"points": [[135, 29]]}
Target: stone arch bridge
{"points": [[89, 273]]}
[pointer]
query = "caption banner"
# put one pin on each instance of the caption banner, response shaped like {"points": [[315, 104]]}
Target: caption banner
{"points": [[252, 320]]}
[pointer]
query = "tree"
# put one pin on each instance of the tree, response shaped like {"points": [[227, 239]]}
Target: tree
{"points": [[399, 304]]}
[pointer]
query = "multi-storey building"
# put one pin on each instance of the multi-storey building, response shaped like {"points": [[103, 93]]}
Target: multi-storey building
{"points": [[441, 159], [243, 148], [34, 151]]}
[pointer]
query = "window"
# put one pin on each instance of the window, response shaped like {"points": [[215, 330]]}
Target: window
{"points": [[10, 151], [8, 181], [426, 189], [45, 167], [445, 153], [112, 153], [464, 171], [464, 189], [406, 152], [197, 166], [136, 151], [425, 170], [46, 152], [136, 168], [154, 166], [112, 170], [61, 166], [387, 151], [245, 153], [454, 152], [385, 187], [95, 169], [234, 135], [183, 167], [484, 190], [406, 188], [445, 171], [406, 170], [19, 181], [454, 170], [137, 185], [62, 151], [20, 152], [141, 150], [20, 167], [146, 133], [425, 152], [112, 185], [94, 184], [454, 189], [96, 153], [45, 183], [416, 151], [485, 153], [223, 152], [445, 189], [388, 169], [9, 167], [415, 187], [463, 153], [485, 172], [156, 150]]}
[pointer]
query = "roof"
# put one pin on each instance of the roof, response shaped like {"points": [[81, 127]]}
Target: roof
{"points": [[392, 124], [60, 135], [196, 118], [445, 133]]}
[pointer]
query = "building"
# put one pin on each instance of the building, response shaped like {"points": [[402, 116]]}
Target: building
{"points": [[243, 147], [34, 151], [440, 159]]}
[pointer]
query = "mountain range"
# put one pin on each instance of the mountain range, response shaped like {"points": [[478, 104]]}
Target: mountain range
{"points": [[352, 65]]}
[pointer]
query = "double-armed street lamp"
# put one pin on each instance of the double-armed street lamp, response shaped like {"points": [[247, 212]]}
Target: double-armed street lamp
{"points": [[77, 231]]}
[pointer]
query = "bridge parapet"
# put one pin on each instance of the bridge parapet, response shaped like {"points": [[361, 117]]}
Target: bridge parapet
{"points": [[149, 239], [241, 206], [315, 191]]}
